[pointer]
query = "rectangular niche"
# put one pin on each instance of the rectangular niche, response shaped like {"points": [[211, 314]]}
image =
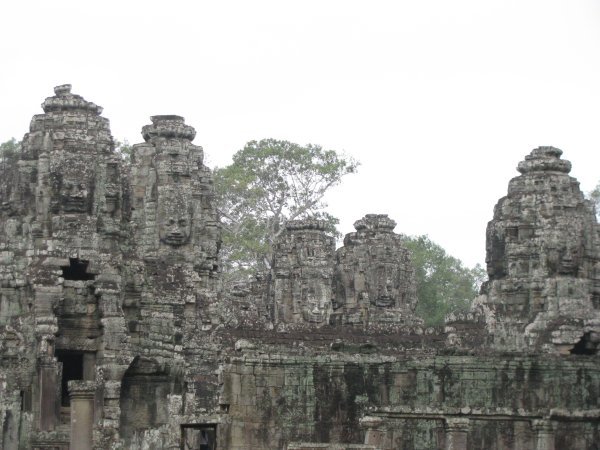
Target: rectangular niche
{"points": [[199, 437]]}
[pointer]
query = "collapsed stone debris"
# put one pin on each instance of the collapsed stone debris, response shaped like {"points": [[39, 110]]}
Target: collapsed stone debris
{"points": [[115, 332]]}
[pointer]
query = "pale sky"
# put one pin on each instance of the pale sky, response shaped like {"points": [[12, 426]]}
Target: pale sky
{"points": [[439, 100]]}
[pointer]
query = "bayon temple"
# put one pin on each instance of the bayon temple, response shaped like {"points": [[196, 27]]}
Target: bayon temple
{"points": [[116, 332]]}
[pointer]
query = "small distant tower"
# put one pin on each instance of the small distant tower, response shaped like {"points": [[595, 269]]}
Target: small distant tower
{"points": [[303, 273], [374, 281]]}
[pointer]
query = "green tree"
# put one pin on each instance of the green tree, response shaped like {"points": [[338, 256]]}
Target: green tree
{"points": [[269, 183], [444, 284], [595, 197], [9, 152], [123, 149], [9, 149], [9, 155]]}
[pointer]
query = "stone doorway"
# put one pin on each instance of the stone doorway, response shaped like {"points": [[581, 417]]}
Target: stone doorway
{"points": [[75, 365], [198, 437]]}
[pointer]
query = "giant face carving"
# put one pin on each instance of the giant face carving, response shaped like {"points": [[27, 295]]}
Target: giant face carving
{"points": [[174, 218], [71, 185], [74, 195], [384, 289], [316, 307]]}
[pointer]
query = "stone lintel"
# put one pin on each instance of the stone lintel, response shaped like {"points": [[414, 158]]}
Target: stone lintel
{"points": [[543, 426], [457, 424], [371, 422], [46, 361]]}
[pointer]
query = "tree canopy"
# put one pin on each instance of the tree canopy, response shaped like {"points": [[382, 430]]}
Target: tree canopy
{"points": [[595, 197], [269, 183], [123, 149], [9, 153], [444, 284], [9, 149]]}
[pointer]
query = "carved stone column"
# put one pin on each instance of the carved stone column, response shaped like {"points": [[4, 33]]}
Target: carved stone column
{"points": [[544, 434], [82, 395], [457, 429], [374, 434], [48, 382]]}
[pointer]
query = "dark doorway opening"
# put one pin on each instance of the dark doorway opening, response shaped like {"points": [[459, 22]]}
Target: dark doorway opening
{"points": [[198, 437], [585, 346], [72, 369], [77, 270]]}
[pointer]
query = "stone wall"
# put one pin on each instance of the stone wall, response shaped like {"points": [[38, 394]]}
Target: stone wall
{"points": [[411, 402]]}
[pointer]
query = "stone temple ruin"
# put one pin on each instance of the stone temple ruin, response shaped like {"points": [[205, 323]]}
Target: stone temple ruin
{"points": [[115, 332]]}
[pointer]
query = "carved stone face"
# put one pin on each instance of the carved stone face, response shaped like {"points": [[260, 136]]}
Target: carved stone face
{"points": [[569, 262], [174, 220], [316, 307], [71, 185], [175, 229], [384, 289], [74, 195]]}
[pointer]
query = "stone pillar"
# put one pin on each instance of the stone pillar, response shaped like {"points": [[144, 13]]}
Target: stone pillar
{"points": [[112, 407], [48, 379], [82, 395], [544, 434], [374, 434], [457, 429]]}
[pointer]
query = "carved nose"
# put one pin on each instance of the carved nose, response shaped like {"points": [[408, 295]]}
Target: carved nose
{"points": [[76, 192]]}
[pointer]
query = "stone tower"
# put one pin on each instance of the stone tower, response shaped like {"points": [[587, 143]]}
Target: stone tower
{"points": [[375, 280], [170, 271], [63, 242], [543, 254], [302, 273]]}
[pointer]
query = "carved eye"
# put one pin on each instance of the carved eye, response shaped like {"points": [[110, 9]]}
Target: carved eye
{"points": [[171, 222], [182, 222]]}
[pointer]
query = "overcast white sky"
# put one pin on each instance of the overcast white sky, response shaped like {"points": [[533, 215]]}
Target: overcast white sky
{"points": [[438, 99]]}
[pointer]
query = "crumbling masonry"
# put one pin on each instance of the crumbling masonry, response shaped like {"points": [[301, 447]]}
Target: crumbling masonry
{"points": [[115, 332]]}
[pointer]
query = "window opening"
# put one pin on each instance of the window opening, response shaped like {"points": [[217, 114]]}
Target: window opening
{"points": [[585, 346], [77, 270]]}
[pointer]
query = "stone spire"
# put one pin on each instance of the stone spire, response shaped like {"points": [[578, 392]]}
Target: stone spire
{"points": [[302, 273], [70, 146], [168, 126], [175, 240], [68, 197], [375, 281], [542, 258], [64, 100]]}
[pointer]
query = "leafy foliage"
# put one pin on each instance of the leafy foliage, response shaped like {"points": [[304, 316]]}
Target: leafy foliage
{"points": [[269, 183], [123, 149], [595, 198], [444, 284], [9, 149], [9, 153]]}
